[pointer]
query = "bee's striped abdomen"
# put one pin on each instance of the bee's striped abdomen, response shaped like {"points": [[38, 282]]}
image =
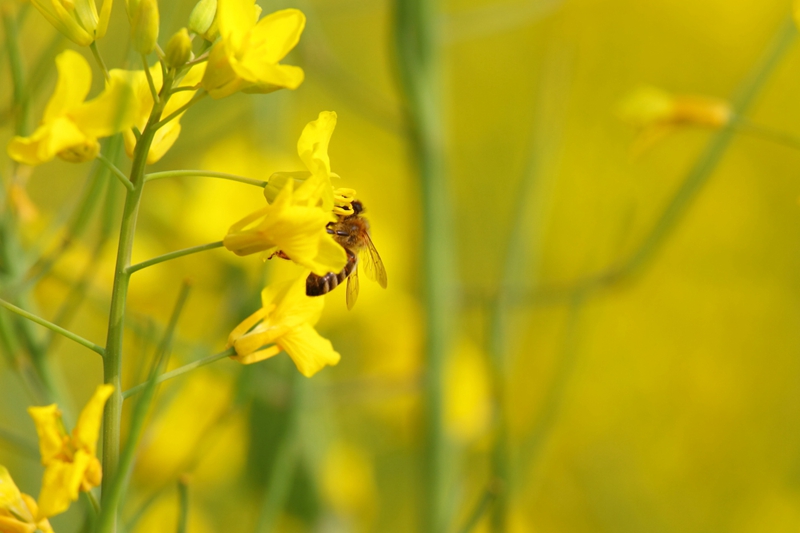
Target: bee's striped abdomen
{"points": [[319, 285]]}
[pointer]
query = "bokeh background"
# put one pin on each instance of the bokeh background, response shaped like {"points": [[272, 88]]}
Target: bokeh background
{"points": [[663, 400]]}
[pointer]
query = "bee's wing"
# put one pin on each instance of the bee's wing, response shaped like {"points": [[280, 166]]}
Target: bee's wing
{"points": [[352, 288], [373, 266]]}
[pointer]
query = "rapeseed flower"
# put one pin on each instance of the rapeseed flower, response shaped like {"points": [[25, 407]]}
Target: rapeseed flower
{"points": [[19, 512], [70, 127], [167, 134], [285, 322], [69, 460], [655, 113], [78, 20], [248, 53]]}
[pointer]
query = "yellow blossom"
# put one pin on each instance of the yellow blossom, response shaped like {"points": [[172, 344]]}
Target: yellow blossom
{"points": [[166, 136], [19, 512], [78, 20], [247, 55], [70, 127], [655, 112], [293, 225], [69, 460], [312, 147], [285, 322]]}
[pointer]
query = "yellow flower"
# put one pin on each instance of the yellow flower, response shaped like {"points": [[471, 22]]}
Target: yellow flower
{"points": [[69, 460], [293, 225], [18, 512], [78, 20], [285, 323], [70, 127], [655, 112], [312, 147], [247, 55], [166, 136]]}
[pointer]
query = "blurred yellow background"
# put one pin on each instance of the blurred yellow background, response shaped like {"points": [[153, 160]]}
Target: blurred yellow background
{"points": [[661, 402]]}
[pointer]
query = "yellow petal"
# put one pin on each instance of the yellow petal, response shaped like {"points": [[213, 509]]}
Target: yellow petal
{"points": [[309, 350], [86, 12], [64, 22], [268, 77], [313, 144], [278, 181], [293, 306], [61, 483], [247, 324], [102, 23], [10, 497], [42, 524], [220, 80], [257, 356], [163, 141], [50, 430], [74, 82], [114, 110], [12, 525], [235, 19], [276, 34], [88, 427], [45, 142]]}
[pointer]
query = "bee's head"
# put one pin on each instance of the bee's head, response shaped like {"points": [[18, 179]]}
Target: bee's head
{"points": [[358, 207]]}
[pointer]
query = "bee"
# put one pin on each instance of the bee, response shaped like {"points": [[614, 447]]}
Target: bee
{"points": [[351, 232]]}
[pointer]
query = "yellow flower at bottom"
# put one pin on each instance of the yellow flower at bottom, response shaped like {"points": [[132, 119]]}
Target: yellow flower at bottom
{"points": [[69, 460], [70, 127], [18, 512], [285, 323]]}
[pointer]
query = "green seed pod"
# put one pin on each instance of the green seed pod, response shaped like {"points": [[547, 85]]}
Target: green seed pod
{"points": [[179, 49], [144, 26], [202, 16]]}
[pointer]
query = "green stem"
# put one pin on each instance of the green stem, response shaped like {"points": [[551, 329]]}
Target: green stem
{"points": [[117, 172], [112, 367], [204, 174], [173, 255], [17, 77], [419, 67], [480, 510], [113, 491], [180, 371], [183, 505], [150, 82], [93, 501], [49, 325], [746, 127], [181, 109], [99, 59]]}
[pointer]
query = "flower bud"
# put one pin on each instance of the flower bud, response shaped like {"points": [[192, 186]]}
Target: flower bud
{"points": [[179, 49], [144, 25], [202, 16]]}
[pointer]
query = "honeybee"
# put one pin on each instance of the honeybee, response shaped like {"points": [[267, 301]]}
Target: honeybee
{"points": [[351, 232]]}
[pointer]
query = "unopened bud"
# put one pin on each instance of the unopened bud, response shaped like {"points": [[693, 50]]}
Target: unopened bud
{"points": [[179, 49], [144, 25], [202, 16]]}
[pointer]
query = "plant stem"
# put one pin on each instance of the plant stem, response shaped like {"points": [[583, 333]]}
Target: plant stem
{"points": [[181, 109], [484, 504], [183, 504], [150, 82], [17, 78], [99, 59], [419, 68], [173, 255], [204, 174], [117, 172], [112, 367], [49, 325], [180, 371]]}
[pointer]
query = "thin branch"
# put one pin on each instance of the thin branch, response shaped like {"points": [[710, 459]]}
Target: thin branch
{"points": [[150, 82], [204, 174], [58, 329], [180, 370], [117, 172], [172, 255], [99, 59], [181, 109]]}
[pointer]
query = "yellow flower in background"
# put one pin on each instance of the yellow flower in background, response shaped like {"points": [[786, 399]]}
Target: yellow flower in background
{"points": [[69, 460], [78, 20], [71, 127], [166, 136], [285, 322], [292, 224], [247, 55], [18, 512], [655, 112]]}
